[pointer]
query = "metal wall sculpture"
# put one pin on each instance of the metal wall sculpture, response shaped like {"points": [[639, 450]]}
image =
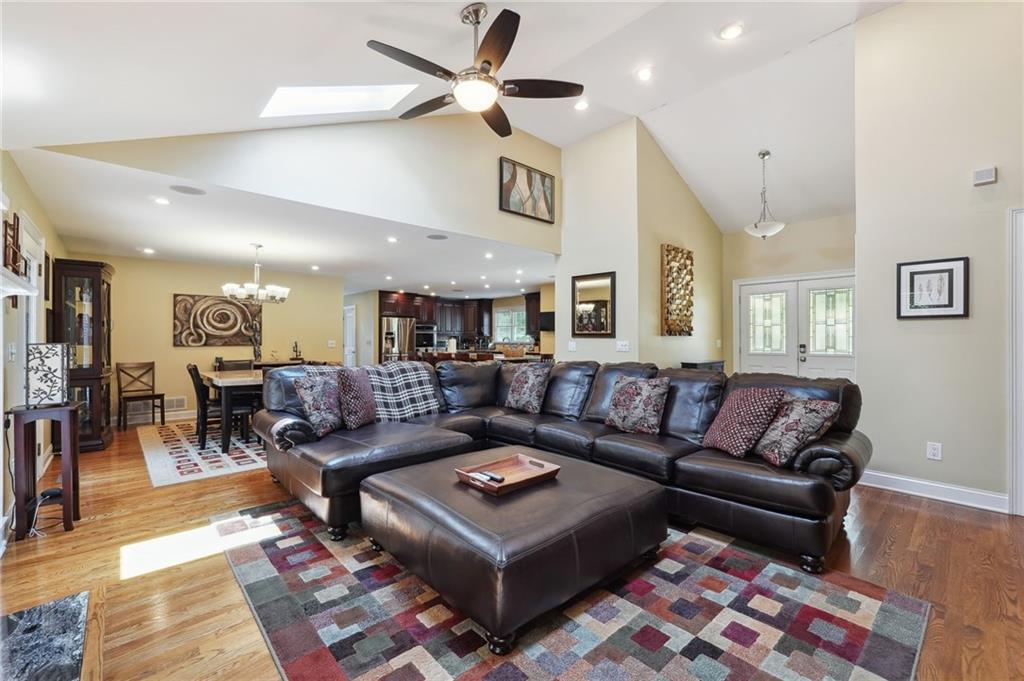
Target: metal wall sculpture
{"points": [[676, 291]]}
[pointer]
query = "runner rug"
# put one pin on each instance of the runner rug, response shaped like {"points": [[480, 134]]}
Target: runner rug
{"points": [[173, 455], [704, 609]]}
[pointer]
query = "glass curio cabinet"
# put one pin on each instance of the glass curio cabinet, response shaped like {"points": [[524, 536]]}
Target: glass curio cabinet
{"points": [[81, 317]]}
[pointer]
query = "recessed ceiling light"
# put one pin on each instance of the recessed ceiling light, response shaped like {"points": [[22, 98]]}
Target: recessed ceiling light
{"points": [[483, 276], [426, 286], [185, 189], [581, 105], [437, 237], [161, 201], [488, 255], [433, 293], [519, 271], [519, 281], [522, 290], [315, 268], [388, 277], [465, 296], [487, 285], [453, 283], [644, 73], [148, 251], [333, 99], [392, 239], [401, 290], [731, 31]]}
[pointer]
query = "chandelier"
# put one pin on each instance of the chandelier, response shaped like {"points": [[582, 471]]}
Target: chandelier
{"points": [[252, 292], [766, 225]]}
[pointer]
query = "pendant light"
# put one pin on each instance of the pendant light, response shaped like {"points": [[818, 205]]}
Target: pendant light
{"points": [[253, 291], [766, 225]]}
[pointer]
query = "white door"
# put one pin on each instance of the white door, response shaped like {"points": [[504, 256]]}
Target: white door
{"points": [[350, 336], [802, 327]]}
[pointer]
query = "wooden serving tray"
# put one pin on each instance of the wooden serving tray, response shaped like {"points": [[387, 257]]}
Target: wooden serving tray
{"points": [[519, 471]]}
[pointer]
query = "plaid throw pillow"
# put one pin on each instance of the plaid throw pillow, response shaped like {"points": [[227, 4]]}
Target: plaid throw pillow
{"points": [[402, 390], [526, 392], [358, 406], [743, 418], [798, 424], [636, 404], [319, 395]]}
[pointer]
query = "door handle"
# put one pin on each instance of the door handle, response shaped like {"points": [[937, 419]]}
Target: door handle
{"points": [[803, 358], [803, 348]]}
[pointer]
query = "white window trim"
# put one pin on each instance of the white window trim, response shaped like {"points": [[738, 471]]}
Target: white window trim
{"points": [[1015, 460]]}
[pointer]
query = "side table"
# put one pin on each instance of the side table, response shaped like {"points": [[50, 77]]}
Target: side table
{"points": [[25, 496]]}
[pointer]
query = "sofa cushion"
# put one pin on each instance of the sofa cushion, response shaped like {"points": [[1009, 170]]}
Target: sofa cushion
{"points": [[753, 481], [467, 384], [798, 424], [320, 401], [505, 375], [637, 404], [517, 428], [528, 387], [279, 387], [355, 395], [462, 422], [604, 384], [338, 462], [651, 456], [743, 418], [488, 413], [568, 387], [574, 438], [839, 390], [692, 402], [403, 390]]}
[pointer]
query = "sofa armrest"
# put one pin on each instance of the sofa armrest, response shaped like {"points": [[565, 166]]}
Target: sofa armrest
{"points": [[282, 428], [840, 457]]}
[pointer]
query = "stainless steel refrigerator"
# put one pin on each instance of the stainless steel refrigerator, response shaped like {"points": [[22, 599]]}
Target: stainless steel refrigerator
{"points": [[397, 338]]}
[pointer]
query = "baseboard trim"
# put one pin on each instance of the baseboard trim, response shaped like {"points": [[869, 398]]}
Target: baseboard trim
{"points": [[5, 529], [954, 494], [176, 415]]}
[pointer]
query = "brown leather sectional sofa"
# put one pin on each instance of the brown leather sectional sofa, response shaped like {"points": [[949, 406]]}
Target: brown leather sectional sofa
{"points": [[797, 510]]}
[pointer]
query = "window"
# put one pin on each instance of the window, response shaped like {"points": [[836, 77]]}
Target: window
{"points": [[768, 323], [510, 326], [831, 318]]}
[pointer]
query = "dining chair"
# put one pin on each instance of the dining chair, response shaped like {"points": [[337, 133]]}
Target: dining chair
{"points": [[253, 397], [136, 382], [209, 411]]}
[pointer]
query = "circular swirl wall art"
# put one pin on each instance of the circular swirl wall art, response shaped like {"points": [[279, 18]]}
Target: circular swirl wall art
{"points": [[213, 321]]}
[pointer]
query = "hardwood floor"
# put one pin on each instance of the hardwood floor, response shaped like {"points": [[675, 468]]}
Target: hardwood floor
{"points": [[190, 621]]}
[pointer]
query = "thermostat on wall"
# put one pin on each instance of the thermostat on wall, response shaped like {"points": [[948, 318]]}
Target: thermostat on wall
{"points": [[985, 176]]}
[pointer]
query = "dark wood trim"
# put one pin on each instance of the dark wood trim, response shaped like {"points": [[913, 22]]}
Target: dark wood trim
{"points": [[611, 318]]}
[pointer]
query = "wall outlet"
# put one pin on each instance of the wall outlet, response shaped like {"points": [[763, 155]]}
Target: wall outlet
{"points": [[572, 346], [718, 343], [933, 451], [621, 346], [332, 343]]}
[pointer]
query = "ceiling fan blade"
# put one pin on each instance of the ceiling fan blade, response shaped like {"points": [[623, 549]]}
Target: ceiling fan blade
{"points": [[409, 59], [497, 43], [496, 118], [428, 106], [538, 88]]}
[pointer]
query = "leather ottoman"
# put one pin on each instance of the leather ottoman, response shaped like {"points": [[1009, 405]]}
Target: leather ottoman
{"points": [[505, 560]]}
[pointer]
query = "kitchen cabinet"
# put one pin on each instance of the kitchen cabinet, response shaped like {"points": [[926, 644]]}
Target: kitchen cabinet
{"points": [[471, 317], [486, 314], [424, 310], [393, 304], [533, 315]]}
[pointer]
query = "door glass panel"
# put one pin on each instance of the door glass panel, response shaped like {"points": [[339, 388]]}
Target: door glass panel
{"points": [[78, 319], [767, 323], [831, 321]]}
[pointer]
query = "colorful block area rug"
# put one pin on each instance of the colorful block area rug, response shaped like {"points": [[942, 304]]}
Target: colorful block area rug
{"points": [[45, 642], [703, 610], [173, 455]]}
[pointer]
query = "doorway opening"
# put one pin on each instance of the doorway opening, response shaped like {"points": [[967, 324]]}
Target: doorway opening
{"points": [[802, 325], [1016, 458]]}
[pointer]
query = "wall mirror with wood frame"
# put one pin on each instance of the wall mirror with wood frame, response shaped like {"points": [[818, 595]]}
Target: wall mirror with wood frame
{"points": [[593, 305]]}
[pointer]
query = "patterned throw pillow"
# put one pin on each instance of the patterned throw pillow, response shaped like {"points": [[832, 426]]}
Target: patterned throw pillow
{"points": [[358, 407], [402, 390], [798, 424], [637, 404], [743, 418], [530, 383], [319, 395]]}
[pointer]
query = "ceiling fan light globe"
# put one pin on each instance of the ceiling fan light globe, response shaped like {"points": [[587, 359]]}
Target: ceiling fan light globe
{"points": [[475, 94], [764, 230]]}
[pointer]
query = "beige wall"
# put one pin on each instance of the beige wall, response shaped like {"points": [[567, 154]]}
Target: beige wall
{"points": [[670, 213], [510, 302], [143, 291], [938, 94], [367, 325], [802, 247], [438, 172], [547, 304], [23, 202]]}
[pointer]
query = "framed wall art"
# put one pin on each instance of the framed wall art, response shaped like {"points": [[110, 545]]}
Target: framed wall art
{"points": [[930, 289], [525, 191], [593, 305], [204, 321]]}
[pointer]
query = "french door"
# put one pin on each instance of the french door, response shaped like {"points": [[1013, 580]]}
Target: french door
{"points": [[803, 327]]}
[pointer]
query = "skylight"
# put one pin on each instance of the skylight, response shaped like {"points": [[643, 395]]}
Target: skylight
{"points": [[332, 99]]}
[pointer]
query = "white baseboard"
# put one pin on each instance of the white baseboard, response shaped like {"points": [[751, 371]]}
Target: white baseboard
{"points": [[5, 529], [954, 494], [175, 415]]}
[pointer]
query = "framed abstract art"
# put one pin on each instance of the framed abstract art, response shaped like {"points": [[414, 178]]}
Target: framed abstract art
{"points": [[525, 191]]}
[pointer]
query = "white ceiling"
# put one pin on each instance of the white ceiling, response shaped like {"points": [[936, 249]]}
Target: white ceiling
{"points": [[210, 228], [84, 72]]}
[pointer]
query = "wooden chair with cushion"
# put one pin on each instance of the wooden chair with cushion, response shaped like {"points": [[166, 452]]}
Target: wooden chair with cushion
{"points": [[136, 382], [208, 411], [221, 364]]}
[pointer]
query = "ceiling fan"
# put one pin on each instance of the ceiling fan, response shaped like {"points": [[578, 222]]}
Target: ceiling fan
{"points": [[476, 88]]}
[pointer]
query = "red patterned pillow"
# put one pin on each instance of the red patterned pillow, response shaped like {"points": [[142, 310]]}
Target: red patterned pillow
{"points": [[636, 404], [319, 395], [530, 383], [743, 418], [355, 395], [798, 424]]}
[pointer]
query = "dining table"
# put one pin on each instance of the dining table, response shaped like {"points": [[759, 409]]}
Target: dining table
{"points": [[230, 383]]}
